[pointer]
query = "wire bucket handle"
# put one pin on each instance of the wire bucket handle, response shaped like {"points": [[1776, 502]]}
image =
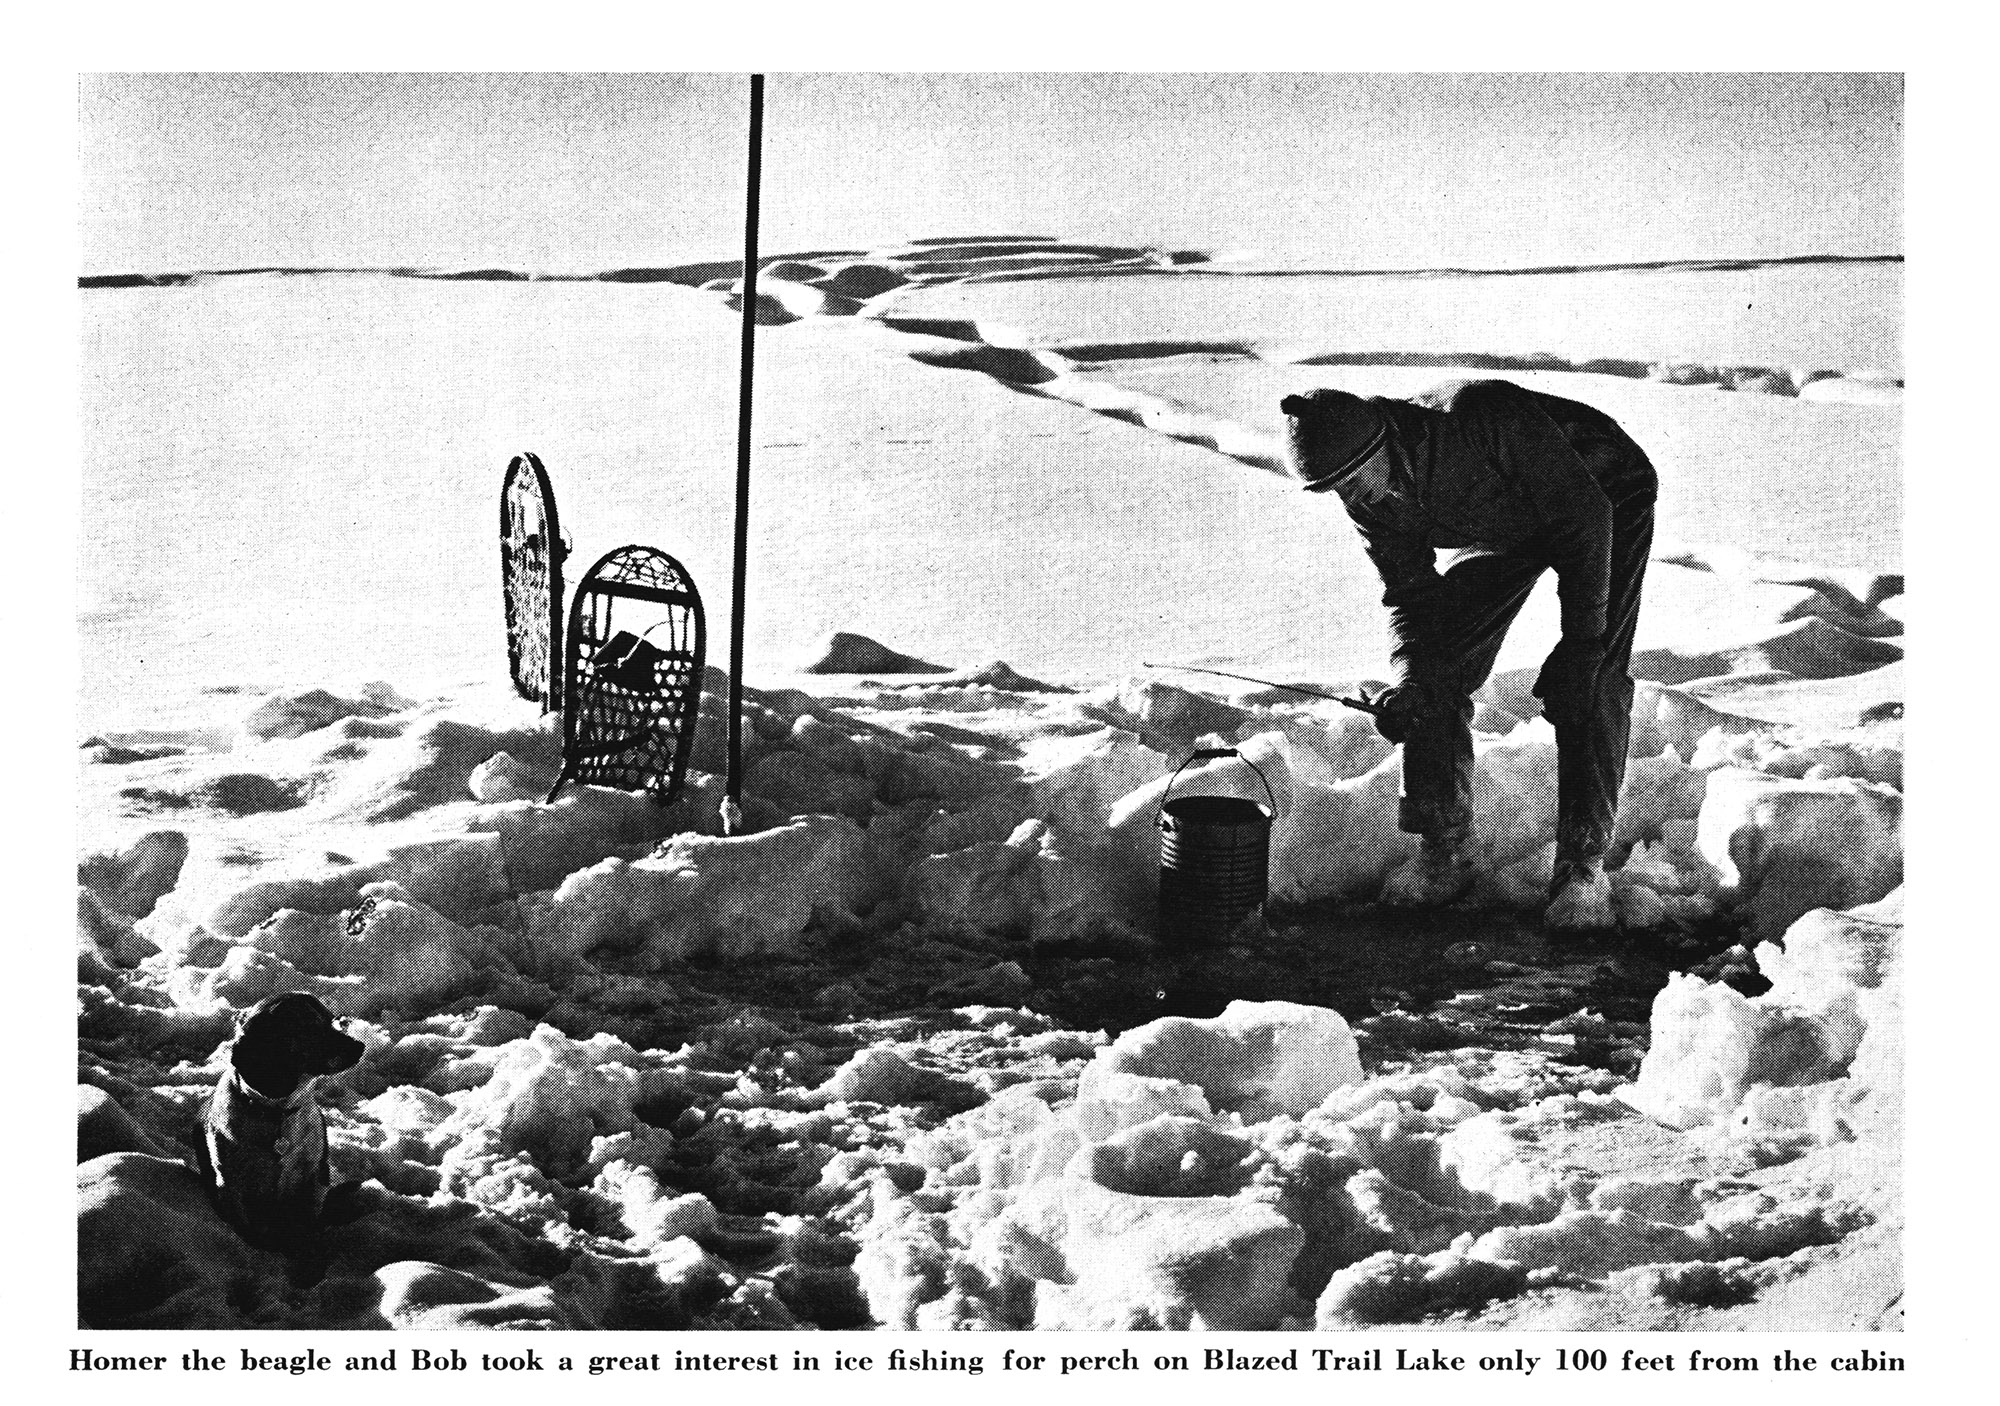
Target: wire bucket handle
{"points": [[1210, 754]]}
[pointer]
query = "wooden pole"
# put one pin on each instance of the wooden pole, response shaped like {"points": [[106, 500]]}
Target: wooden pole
{"points": [[732, 805]]}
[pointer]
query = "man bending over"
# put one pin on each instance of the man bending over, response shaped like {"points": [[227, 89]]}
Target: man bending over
{"points": [[1513, 483]]}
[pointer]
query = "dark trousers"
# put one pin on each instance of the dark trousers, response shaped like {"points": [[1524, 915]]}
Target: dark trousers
{"points": [[1486, 590]]}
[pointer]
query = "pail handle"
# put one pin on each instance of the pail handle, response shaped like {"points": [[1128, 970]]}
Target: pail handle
{"points": [[1210, 754]]}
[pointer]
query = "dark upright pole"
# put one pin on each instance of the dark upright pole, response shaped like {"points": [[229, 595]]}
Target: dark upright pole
{"points": [[731, 807]]}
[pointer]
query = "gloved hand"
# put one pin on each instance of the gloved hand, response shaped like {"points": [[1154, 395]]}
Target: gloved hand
{"points": [[1400, 708], [1567, 684]]}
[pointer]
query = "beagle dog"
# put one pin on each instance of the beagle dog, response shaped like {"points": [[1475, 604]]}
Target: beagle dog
{"points": [[262, 1143]]}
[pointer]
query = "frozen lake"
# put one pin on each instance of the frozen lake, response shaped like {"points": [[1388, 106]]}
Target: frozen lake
{"points": [[291, 480]]}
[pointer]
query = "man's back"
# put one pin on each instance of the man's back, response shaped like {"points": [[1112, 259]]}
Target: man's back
{"points": [[1594, 436]]}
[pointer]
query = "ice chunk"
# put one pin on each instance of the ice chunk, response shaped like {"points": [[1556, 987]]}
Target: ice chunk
{"points": [[900, 776], [1490, 1158], [1339, 840], [386, 951], [495, 1025], [1827, 961], [1514, 793], [1711, 1045], [1109, 1100], [731, 897], [1179, 713], [1011, 1139], [1664, 716], [246, 975], [1657, 791], [133, 880], [1091, 897], [800, 782], [1258, 1058], [244, 909], [1852, 391], [549, 1096], [654, 1213], [408, 1108], [1172, 1155], [1411, 1222], [830, 745], [1323, 750], [1094, 773], [1125, 1261], [414, 957], [420, 1294], [542, 844], [405, 954], [108, 934], [1869, 760], [1024, 887], [1787, 846], [503, 778], [1669, 1202]]}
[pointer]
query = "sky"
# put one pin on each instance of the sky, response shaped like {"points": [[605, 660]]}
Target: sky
{"points": [[579, 172]]}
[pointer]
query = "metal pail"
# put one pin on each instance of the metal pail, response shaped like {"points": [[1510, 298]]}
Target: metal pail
{"points": [[1214, 858]]}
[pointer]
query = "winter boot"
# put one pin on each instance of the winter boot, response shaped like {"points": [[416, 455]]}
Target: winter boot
{"points": [[1579, 897], [1440, 872]]}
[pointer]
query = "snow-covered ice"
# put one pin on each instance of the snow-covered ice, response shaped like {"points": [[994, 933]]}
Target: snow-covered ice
{"points": [[888, 1058]]}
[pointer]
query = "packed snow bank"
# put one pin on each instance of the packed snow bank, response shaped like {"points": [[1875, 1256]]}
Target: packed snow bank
{"points": [[1787, 846], [559, 1130], [983, 805], [1815, 1060], [709, 896]]}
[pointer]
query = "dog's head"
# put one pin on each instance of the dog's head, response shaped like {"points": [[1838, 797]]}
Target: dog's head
{"points": [[285, 1041]]}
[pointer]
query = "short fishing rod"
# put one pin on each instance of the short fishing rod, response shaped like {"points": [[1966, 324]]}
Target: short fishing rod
{"points": [[1363, 704]]}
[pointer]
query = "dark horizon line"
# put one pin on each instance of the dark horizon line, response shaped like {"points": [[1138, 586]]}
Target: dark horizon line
{"points": [[1188, 261]]}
